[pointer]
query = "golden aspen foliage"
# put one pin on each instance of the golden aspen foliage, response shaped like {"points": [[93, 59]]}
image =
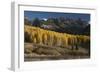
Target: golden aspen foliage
{"points": [[41, 36], [44, 37]]}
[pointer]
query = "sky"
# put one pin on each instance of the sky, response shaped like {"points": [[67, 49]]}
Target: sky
{"points": [[45, 15]]}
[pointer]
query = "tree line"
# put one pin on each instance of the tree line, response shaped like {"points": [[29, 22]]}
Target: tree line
{"points": [[46, 37]]}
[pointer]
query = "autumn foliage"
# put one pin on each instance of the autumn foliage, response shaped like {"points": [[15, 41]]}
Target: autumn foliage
{"points": [[51, 38]]}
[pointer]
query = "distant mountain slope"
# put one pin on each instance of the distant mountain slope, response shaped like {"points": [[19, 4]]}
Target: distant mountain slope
{"points": [[70, 26]]}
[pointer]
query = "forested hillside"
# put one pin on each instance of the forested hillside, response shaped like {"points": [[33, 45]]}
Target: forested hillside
{"points": [[49, 44]]}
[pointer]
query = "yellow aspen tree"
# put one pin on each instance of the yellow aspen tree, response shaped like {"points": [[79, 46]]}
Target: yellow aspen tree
{"points": [[39, 35], [55, 40], [50, 38], [58, 40], [44, 37]]}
